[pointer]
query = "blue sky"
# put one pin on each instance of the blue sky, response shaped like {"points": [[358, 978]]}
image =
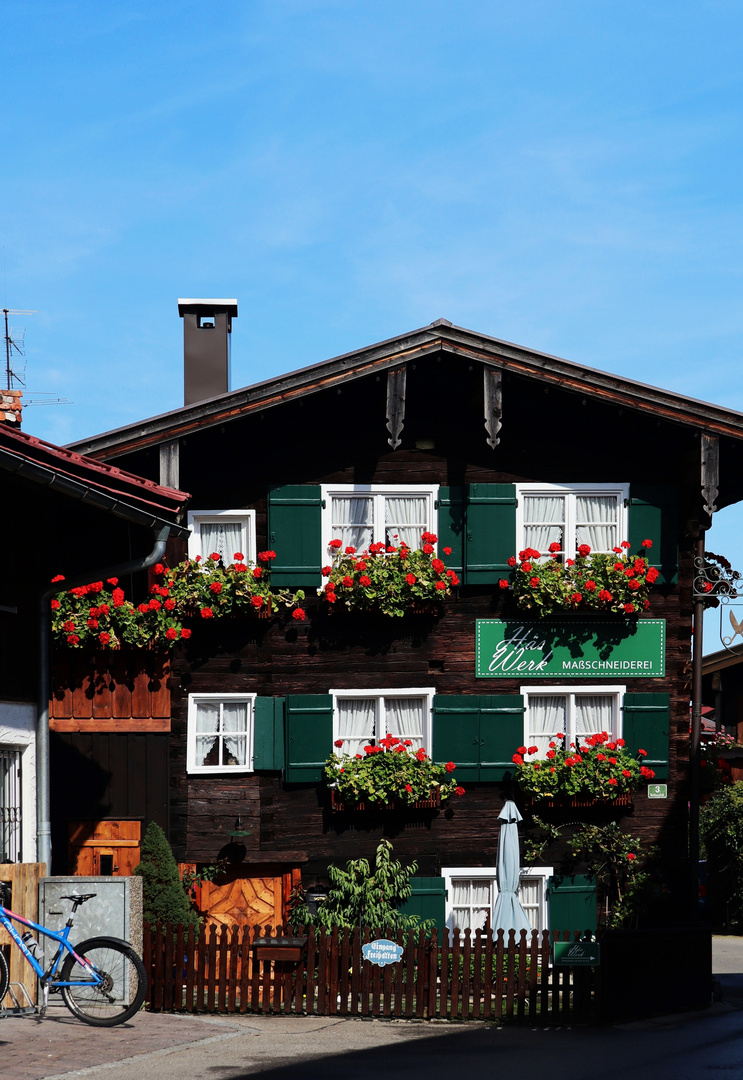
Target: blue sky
{"points": [[563, 175]]}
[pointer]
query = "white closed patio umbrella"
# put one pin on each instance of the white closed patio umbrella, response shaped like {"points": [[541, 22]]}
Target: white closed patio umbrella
{"points": [[508, 913]]}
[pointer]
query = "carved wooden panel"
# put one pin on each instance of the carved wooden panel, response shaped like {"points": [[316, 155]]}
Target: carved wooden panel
{"points": [[236, 899]]}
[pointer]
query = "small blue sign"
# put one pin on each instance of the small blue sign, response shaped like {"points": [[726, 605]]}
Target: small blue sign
{"points": [[382, 952]]}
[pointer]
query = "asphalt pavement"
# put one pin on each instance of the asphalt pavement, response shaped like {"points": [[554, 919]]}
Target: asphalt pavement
{"points": [[168, 1047]]}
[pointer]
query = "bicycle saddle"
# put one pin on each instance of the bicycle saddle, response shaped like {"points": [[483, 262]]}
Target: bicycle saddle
{"points": [[79, 898]]}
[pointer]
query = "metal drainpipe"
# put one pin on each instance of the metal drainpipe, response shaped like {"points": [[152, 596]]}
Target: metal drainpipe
{"points": [[696, 735], [43, 808]]}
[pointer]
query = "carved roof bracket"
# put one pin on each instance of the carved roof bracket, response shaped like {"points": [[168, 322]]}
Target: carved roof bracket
{"points": [[710, 471], [396, 379], [493, 399]]}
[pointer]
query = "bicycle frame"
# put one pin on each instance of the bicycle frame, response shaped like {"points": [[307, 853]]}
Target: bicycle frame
{"points": [[61, 937]]}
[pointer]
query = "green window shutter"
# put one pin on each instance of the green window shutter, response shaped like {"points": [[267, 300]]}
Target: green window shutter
{"points": [[309, 736], [501, 732], [295, 534], [490, 534], [646, 725], [572, 903], [653, 515], [268, 733], [452, 505], [428, 900], [456, 733]]}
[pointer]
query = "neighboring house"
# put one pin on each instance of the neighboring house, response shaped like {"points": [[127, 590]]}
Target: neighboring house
{"points": [[492, 447], [57, 507]]}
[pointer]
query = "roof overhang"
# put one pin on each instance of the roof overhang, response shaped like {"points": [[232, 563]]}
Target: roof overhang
{"points": [[439, 337]]}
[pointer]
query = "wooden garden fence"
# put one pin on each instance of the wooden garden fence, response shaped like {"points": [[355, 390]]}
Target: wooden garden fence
{"points": [[440, 974]]}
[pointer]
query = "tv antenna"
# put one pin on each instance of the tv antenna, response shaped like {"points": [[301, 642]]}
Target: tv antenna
{"points": [[15, 350], [15, 347]]}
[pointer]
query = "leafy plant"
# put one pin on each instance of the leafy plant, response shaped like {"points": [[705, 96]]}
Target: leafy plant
{"points": [[389, 771], [360, 896], [721, 828], [386, 579], [164, 898], [618, 862], [617, 582], [99, 614], [716, 771], [598, 768]]}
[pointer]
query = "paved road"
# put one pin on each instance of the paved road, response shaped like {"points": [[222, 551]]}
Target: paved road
{"points": [[162, 1047]]}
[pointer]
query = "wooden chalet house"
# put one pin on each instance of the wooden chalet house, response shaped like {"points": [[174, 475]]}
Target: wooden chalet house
{"points": [[492, 447]]}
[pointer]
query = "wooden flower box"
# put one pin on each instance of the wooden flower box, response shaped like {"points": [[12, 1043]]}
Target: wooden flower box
{"points": [[338, 806], [582, 802]]}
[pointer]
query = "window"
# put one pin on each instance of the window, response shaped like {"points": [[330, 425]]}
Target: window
{"points": [[571, 515], [550, 711], [220, 732], [10, 805], [472, 892], [359, 515], [361, 717], [223, 531]]}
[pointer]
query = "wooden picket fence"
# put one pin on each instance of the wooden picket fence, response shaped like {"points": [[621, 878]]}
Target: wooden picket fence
{"points": [[440, 974]]}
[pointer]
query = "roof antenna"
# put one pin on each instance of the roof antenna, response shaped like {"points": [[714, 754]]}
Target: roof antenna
{"points": [[15, 350]]}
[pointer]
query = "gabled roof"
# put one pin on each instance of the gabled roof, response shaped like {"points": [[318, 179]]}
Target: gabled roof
{"points": [[440, 336], [92, 482]]}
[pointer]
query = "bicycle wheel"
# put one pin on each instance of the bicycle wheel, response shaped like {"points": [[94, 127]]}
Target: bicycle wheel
{"points": [[4, 977], [122, 991]]}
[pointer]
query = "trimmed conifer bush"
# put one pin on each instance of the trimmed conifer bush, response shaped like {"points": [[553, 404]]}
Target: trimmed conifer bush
{"points": [[164, 897]]}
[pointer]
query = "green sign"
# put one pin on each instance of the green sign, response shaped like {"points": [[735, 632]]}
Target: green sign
{"points": [[525, 649], [577, 953], [657, 791]]}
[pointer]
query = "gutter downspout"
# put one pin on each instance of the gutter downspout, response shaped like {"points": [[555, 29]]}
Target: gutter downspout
{"points": [[43, 801]]}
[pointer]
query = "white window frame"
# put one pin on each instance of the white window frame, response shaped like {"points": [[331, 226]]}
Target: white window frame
{"points": [[530, 873], [426, 692], [198, 517], [531, 691], [378, 491], [621, 491], [18, 732], [196, 699]]}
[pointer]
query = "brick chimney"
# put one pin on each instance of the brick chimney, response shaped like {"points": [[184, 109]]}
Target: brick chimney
{"points": [[207, 332], [10, 407]]}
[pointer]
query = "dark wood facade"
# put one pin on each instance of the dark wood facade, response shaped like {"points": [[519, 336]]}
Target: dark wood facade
{"points": [[560, 424]]}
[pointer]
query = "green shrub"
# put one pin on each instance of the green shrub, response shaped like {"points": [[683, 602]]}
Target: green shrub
{"points": [[163, 894], [721, 827]]}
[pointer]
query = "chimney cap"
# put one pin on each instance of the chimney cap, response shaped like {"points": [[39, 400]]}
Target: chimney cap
{"points": [[207, 307]]}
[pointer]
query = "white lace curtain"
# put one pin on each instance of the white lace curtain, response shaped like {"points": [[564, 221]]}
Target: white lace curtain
{"points": [[353, 521], [596, 521], [544, 519], [404, 718], [357, 723], [472, 900], [594, 713], [547, 717], [221, 733], [222, 537], [405, 519], [361, 719]]}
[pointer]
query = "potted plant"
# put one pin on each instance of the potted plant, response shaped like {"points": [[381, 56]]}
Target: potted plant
{"points": [[617, 583], [596, 769], [387, 775], [391, 580]]}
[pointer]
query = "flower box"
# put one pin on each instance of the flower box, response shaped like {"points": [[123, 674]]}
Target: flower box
{"points": [[338, 806], [582, 802]]}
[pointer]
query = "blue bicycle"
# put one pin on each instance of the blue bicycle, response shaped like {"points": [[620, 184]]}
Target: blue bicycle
{"points": [[102, 980]]}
